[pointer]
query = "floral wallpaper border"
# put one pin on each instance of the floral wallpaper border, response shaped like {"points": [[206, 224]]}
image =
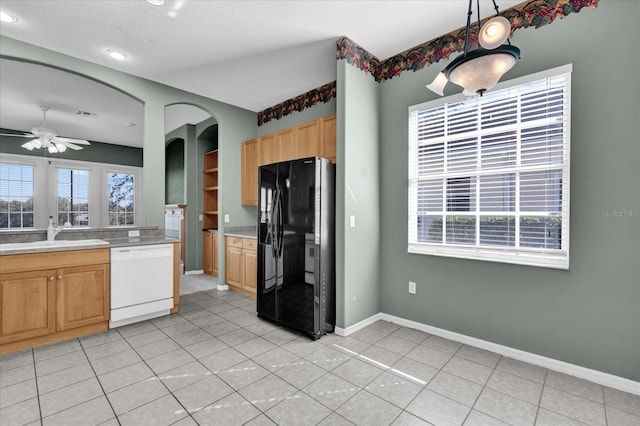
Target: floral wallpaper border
{"points": [[323, 94], [533, 13]]}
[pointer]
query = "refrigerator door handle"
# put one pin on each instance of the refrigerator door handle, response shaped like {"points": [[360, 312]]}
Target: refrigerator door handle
{"points": [[273, 228], [280, 225]]}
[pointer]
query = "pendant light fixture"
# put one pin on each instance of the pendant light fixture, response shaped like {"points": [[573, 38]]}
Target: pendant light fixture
{"points": [[479, 70]]}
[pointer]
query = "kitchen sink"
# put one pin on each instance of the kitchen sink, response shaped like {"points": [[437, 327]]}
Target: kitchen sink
{"points": [[35, 245]]}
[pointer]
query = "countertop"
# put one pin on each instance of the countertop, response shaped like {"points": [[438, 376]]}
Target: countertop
{"points": [[112, 243], [241, 232]]}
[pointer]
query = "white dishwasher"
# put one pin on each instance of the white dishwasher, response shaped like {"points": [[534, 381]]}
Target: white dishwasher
{"points": [[141, 283]]}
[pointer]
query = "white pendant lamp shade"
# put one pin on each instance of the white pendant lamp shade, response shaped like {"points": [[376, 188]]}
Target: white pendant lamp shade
{"points": [[480, 74], [494, 32], [437, 86], [478, 70]]}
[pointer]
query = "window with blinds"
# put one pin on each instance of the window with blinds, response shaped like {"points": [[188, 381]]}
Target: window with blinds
{"points": [[73, 197], [489, 176], [16, 196]]}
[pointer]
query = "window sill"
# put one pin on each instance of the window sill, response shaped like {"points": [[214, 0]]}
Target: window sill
{"points": [[557, 260]]}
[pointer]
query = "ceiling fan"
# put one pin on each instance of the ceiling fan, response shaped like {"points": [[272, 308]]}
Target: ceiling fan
{"points": [[47, 138]]}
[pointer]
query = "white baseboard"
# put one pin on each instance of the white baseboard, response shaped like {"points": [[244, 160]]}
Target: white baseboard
{"points": [[595, 376], [222, 287], [344, 332], [195, 272]]}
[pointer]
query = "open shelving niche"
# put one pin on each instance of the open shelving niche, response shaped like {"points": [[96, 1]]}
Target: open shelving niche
{"points": [[210, 190]]}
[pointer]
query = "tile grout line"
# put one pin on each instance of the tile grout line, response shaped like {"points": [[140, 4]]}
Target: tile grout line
{"points": [[159, 379], [99, 382]]}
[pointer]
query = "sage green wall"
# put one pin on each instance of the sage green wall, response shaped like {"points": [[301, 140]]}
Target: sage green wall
{"points": [[358, 194], [174, 172], [590, 314], [234, 125], [192, 142], [295, 118], [98, 152]]}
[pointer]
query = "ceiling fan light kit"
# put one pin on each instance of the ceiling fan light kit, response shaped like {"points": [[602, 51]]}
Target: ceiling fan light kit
{"points": [[47, 139], [478, 70]]}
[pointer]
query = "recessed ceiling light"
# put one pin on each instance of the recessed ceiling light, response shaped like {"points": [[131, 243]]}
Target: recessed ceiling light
{"points": [[7, 17], [117, 54], [156, 2]]}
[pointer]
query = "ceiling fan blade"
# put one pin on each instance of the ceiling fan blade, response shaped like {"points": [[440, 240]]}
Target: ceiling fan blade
{"points": [[71, 140], [28, 135], [70, 145]]}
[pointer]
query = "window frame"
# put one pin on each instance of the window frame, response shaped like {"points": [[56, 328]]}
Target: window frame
{"points": [[540, 257], [137, 191], [46, 189]]}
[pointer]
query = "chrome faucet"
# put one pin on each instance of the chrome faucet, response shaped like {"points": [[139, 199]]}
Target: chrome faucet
{"points": [[52, 232]]}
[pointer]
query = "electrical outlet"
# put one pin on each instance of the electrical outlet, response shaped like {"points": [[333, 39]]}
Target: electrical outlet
{"points": [[412, 287], [200, 217], [135, 233]]}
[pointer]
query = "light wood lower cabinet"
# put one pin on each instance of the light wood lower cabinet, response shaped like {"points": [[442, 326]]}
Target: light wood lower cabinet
{"points": [[82, 296], [210, 253], [241, 264], [28, 305], [51, 296]]}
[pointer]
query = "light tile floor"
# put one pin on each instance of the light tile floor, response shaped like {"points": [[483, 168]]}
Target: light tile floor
{"points": [[216, 363]]}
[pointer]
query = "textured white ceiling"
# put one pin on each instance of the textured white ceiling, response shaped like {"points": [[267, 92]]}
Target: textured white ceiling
{"points": [[252, 54]]}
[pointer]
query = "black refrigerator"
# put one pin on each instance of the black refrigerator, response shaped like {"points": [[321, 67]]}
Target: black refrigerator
{"points": [[296, 248]]}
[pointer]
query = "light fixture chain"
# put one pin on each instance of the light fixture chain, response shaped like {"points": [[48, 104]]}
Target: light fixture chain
{"points": [[495, 6], [468, 30]]}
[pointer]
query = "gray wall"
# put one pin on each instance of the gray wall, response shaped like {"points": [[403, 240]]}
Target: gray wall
{"points": [[174, 172], [98, 152], [357, 194], [589, 315]]}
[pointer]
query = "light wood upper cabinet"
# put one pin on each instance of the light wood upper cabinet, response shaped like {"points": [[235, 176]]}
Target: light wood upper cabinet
{"points": [[315, 138], [82, 296], [329, 137], [269, 149], [288, 144], [27, 305], [249, 170], [309, 139]]}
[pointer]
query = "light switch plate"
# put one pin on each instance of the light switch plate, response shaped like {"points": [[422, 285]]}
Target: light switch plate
{"points": [[227, 218], [352, 221], [200, 217], [412, 287]]}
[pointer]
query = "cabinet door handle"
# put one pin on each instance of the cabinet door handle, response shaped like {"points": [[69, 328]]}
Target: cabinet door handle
{"points": [[52, 278], [59, 277]]}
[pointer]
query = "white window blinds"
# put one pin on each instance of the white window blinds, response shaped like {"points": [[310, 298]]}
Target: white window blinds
{"points": [[489, 176]]}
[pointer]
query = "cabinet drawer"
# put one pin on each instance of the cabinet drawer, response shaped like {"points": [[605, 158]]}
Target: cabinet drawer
{"points": [[249, 244], [233, 241]]}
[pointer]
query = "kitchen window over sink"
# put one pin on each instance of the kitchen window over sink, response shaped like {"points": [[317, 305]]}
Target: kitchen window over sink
{"points": [[16, 196], [83, 193], [489, 175]]}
